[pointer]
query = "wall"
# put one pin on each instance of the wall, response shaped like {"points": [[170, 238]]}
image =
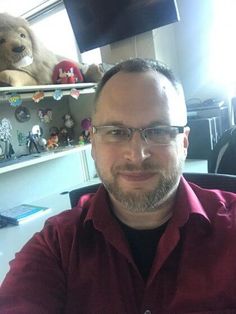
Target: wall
{"points": [[165, 46], [194, 37], [138, 46], [59, 109], [185, 46], [34, 182], [79, 108]]}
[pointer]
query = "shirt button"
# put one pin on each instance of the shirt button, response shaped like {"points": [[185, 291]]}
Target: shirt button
{"points": [[147, 312]]}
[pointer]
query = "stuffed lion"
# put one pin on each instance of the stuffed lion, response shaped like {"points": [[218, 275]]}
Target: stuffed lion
{"points": [[25, 61]]}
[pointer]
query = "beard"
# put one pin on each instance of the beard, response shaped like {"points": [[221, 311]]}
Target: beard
{"points": [[146, 200]]}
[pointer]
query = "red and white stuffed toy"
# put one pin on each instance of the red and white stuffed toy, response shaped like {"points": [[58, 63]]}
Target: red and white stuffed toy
{"points": [[67, 72]]}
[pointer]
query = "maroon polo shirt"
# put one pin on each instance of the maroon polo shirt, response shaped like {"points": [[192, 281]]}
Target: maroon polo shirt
{"points": [[81, 263]]}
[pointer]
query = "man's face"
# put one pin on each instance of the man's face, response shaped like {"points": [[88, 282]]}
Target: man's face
{"points": [[137, 175]]}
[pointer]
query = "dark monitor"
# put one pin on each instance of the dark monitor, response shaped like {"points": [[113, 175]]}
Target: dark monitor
{"points": [[100, 22]]}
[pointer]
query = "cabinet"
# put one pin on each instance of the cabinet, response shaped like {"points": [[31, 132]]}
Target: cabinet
{"points": [[217, 109], [33, 177], [207, 123]]}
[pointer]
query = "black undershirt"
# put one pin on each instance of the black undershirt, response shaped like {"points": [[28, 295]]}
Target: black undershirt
{"points": [[143, 244]]}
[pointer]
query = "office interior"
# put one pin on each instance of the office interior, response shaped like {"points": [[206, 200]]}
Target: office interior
{"points": [[195, 53]]}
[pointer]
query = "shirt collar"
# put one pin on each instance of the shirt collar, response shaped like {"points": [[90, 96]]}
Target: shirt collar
{"points": [[98, 207], [185, 205]]}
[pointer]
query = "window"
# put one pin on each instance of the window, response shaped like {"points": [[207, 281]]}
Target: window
{"points": [[55, 31], [223, 44], [51, 24]]}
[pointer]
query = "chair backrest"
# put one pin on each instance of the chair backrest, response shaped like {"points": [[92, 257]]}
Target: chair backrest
{"points": [[222, 157], [205, 180], [223, 182], [75, 195], [233, 105]]}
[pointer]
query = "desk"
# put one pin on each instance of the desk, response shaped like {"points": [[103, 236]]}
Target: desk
{"points": [[12, 238], [196, 165]]}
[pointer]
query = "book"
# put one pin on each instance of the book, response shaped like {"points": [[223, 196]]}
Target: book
{"points": [[21, 213]]}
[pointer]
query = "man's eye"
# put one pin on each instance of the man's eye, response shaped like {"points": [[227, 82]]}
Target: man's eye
{"points": [[117, 132], [158, 132]]}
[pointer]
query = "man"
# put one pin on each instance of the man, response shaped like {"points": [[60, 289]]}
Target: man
{"points": [[147, 241]]}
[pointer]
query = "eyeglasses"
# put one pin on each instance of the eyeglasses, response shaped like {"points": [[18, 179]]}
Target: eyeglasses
{"points": [[161, 134]]}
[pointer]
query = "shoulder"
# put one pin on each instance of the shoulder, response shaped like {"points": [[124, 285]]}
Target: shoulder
{"points": [[69, 220], [213, 194], [67, 217], [64, 227], [216, 203]]}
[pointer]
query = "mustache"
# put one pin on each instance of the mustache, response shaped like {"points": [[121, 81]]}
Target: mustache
{"points": [[146, 166]]}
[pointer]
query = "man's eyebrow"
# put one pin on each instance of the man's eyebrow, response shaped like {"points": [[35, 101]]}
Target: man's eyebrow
{"points": [[156, 123], [115, 123], [121, 124]]}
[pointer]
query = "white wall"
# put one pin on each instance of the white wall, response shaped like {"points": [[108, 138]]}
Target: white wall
{"points": [[186, 46], [194, 36], [138, 46], [165, 46]]}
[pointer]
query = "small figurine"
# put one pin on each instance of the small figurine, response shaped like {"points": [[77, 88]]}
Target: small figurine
{"points": [[42, 143], [38, 96], [69, 126], [66, 72], [45, 115], [75, 93], [68, 121], [52, 142], [81, 140], [63, 136], [32, 143], [86, 124], [35, 141], [5, 136]]}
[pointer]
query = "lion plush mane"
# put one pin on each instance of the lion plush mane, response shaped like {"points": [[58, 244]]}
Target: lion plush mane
{"points": [[24, 60]]}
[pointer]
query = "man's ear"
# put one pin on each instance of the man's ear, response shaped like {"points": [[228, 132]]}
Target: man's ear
{"points": [[92, 143], [185, 139]]}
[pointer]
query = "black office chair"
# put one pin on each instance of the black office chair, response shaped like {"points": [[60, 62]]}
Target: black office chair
{"points": [[222, 157], [233, 104], [76, 194], [205, 180]]}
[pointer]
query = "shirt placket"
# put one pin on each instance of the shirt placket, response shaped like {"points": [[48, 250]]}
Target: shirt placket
{"points": [[152, 302]]}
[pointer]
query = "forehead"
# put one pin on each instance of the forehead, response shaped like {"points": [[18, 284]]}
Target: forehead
{"points": [[137, 99]]}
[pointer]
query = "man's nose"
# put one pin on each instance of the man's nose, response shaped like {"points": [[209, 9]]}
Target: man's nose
{"points": [[137, 150]]}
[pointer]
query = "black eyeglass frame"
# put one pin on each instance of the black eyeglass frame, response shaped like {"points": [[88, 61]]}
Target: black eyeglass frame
{"points": [[141, 131]]}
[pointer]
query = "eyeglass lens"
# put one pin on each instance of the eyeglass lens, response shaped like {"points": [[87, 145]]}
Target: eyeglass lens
{"points": [[155, 135]]}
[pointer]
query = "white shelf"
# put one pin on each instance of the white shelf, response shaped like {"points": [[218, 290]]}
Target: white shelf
{"points": [[27, 92], [41, 157], [33, 88]]}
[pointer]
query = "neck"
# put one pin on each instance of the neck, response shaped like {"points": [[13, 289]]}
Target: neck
{"points": [[144, 220]]}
